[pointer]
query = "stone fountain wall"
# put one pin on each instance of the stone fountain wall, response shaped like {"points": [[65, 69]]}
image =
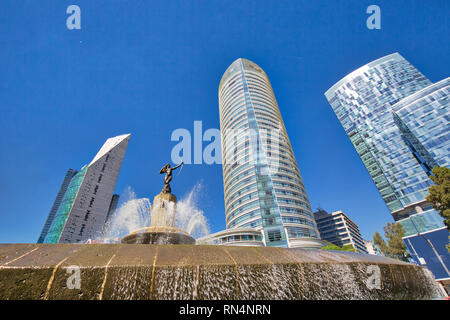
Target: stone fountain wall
{"points": [[127, 271]]}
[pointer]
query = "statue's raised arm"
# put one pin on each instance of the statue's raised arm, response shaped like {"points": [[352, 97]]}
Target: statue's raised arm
{"points": [[178, 165]]}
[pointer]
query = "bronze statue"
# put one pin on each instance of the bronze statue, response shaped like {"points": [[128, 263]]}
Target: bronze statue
{"points": [[167, 169]]}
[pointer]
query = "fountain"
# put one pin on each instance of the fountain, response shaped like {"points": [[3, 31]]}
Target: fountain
{"points": [[203, 272], [146, 265], [162, 228], [131, 215]]}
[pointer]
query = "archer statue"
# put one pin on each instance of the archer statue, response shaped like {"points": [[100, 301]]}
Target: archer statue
{"points": [[167, 169]]}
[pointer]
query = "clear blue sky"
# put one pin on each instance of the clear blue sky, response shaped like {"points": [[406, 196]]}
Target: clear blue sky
{"points": [[150, 67]]}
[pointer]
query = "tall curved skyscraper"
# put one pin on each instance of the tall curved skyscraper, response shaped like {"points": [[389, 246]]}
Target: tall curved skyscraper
{"points": [[263, 187]]}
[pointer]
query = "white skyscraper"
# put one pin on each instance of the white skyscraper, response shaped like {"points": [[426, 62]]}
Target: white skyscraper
{"points": [[263, 187], [84, 207]]}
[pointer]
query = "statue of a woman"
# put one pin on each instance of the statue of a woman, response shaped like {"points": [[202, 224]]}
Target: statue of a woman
{"points": [[167, 169]]}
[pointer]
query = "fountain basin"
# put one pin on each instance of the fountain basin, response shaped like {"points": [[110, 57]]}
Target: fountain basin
{"points": [[134, 271], [158, 235]]}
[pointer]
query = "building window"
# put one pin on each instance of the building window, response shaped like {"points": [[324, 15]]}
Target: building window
{"points": [[81, 230], [87, 215], [274, 235]]}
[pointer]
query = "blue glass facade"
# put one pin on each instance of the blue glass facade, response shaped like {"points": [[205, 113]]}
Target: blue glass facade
{"points": [[363, 101], [64, 209], [425, 117], [59, 197], [398, 122], [262, 184], [429, 249]]}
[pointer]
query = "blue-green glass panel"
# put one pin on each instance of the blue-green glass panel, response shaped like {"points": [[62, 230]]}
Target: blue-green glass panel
{"points": [[64, 209], [422, 222]]}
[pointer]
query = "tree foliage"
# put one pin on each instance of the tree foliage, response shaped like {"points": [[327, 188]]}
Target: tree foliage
{"points": [[439, 194], [394, 233], [395, 247], [379, 241]]}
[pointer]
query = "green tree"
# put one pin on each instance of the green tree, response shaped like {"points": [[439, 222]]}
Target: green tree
{"points": [[395, 246], [379, 241], [394, 233], [439, 195]]}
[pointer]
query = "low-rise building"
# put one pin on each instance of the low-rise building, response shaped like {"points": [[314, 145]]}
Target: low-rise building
{"points": [[235, 237], [339, 229]]}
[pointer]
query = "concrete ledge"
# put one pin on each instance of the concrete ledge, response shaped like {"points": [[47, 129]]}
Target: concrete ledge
{"points": [[159, 235], [133, 271]]}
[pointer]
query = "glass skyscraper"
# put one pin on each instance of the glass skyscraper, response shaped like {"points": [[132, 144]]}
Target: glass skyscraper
{"points": [[397, 120], [62, 190], [88, 199], [263, 188]]}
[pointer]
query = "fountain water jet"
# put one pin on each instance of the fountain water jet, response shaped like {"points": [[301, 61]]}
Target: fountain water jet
{"points": [[189, 217], [134, 213], [162, 227], [158, 271]]}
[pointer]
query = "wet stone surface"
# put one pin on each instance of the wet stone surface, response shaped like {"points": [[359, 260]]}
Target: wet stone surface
{"points": [[140, 271]]}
